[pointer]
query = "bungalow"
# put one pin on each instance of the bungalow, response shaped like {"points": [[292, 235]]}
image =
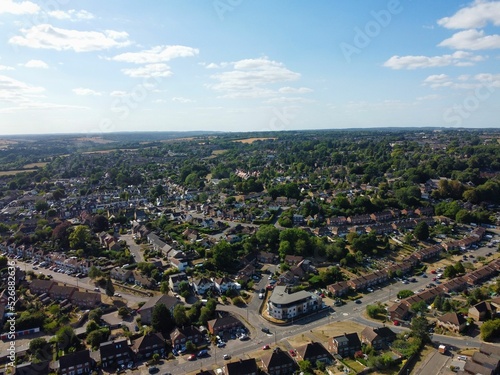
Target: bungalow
{"points": [[453, 322], [378, 338], [312, 352], [278, 362], [345, 345], [76, 363]]}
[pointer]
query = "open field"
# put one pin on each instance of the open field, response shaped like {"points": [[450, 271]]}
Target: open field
{"points": [[252, 140], [35, 165], [13, 173]]}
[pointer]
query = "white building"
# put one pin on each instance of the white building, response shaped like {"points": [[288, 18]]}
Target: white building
{"points": [[284, 305]]}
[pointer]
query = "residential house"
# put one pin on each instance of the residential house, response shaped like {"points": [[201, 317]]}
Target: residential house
{"points": [[86, 299], [115, 353], [339, 289], [76, 363], [399, 311], [121, 274], [223, 284], [180, 335], [143, 281], [378, 338], [38, 286], [312, 352], [266, 257], [61, 292], [345, 345], [151, 343], [293, 260], [146, 310], [482, 311], [278, 362], [180, 264], [242, 367], [202, 286], [175, 280], [452, 322], [226, 323]]}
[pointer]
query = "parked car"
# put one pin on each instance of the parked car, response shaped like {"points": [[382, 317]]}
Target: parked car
{"points": [[293, 353], [266, 347], [202, 353], [226, 356], [266, 330], [192, 357]]}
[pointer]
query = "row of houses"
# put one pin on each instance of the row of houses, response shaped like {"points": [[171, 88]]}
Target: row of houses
{"points": [[402, 310], [54, 291], [485, 362]]}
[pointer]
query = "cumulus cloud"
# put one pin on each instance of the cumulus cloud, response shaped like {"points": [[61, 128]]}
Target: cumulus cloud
{"points": [[465, 82], [5, 67], [46, 36], [36, 64], [477, 15], [459, 58], [12, 90], [18, 8], [472, 40], [251, 78], [156, 54], [80, 91]]}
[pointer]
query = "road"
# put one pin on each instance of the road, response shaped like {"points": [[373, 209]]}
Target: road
{"points": [[135, 249]]}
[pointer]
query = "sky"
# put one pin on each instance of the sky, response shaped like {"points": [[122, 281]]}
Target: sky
{"points": [[94, 66]]}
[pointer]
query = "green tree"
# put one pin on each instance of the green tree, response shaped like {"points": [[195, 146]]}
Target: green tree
{"points": [[95, 315], [67, 340], [268, 235], [450, 271], [97, 337], [305, 366], [420, 328], [80, 237], [421, 231], [405, 293], [164, 287], [490, 330], [180, 317], [95, 272], [110, 289], [161, 319]]}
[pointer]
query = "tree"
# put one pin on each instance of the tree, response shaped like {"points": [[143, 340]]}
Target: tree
{"points": [[91, 326], [95, 315], [490, 329], [268, 235], [419, 307], [450, 271], [67, 340], [161, 319], [123, 312], [421, 231], [405, 293], [180, 317], [223, 255], [94, 272], [164, 287], [374, 311], [40, 350], [80, 237], [305, 366], [110, 289], [459, 267], [97, 337], [420, 328]]}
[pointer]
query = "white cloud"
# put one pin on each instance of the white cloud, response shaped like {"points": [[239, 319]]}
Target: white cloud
{"points": [[18, 8], [293, 90], [284, 99], [180, 99], [459, 58], [464, 82], [46, 36], [12, 90], [80, 91], [36, 64], [479, 14], [149, 70], [250, 77], [472, 40], [156, 54], [72, 14], [5, 67], [212, 66]]}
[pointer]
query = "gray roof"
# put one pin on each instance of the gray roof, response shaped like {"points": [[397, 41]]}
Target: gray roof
{"points": [[281, 297]]}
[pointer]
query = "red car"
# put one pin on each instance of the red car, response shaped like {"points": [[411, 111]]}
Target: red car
{"points": [[396, 323], [192, 357], [433, 271], [292, 352], [266, 347]]}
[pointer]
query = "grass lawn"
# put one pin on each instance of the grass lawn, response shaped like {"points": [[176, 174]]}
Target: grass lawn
{"points": [[353, 364]]}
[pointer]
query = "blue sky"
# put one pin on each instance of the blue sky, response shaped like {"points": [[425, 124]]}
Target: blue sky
{"points": [[247, 65]]}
